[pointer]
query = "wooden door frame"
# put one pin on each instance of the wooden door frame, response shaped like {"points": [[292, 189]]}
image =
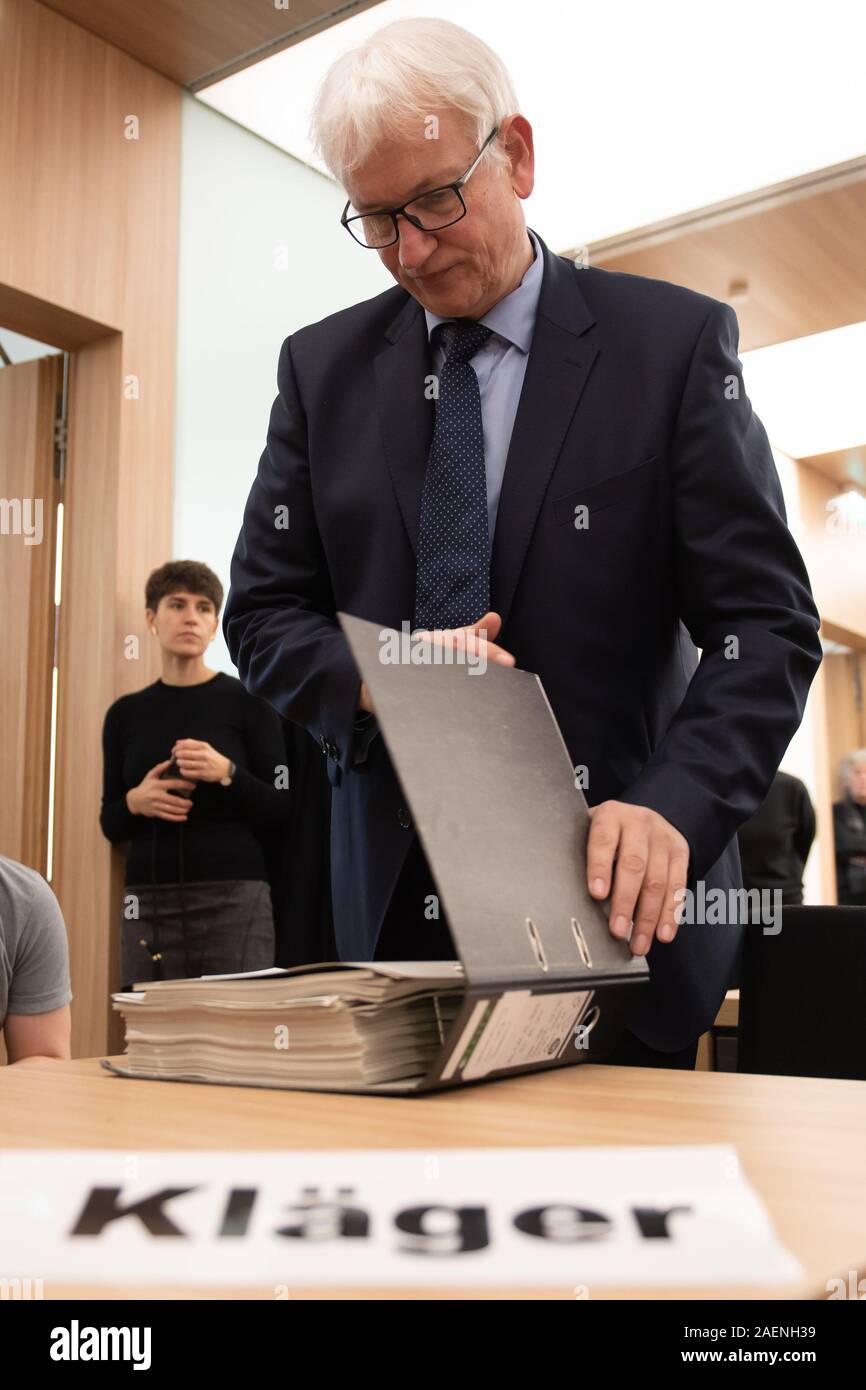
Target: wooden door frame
{"points": [[106, 557], [32, 628]]}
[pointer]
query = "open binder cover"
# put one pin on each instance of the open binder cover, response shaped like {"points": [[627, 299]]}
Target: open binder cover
{"points": [[484, 768], [493, 796]]}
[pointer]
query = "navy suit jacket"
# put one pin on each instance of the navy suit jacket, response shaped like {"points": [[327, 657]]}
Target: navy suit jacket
{"points": [[633, 408]]}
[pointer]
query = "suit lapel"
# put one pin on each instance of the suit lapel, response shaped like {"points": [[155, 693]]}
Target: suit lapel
{"points": [[557, 370], [406, 416], [556, 373]]}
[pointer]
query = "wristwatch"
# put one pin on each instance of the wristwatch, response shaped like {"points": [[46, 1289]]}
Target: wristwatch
{"points": [[227, 781]]}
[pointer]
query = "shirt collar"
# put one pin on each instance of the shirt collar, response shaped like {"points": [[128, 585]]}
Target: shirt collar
{"points": [[513, 318]]}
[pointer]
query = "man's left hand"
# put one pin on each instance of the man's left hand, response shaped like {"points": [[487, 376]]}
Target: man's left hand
{"points": [[652, 860]]}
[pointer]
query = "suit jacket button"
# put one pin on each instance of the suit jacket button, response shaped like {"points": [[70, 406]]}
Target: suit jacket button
{"points": [[404, 819]]}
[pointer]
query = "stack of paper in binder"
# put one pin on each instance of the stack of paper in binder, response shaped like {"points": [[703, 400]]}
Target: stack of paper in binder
{"points": [[321, 1026], [540, 982]]}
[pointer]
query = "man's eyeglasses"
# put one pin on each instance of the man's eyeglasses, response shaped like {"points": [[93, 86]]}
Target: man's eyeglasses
{"points": [[431, 211]]}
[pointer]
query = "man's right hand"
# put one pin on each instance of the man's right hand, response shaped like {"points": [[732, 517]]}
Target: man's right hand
{"points": [[153, 797], [476, 638]]}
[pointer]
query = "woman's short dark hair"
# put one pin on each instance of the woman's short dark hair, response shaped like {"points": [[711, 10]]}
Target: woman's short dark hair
{"points": [[189, 575]]}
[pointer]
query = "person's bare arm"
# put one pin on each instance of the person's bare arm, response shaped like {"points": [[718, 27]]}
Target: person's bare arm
{"points": [[29, 1036]]}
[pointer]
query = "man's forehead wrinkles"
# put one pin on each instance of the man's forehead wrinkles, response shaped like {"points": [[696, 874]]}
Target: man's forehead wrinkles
{"points": [[429, 181]]}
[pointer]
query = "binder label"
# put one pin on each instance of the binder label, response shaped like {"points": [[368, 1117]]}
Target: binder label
{"points": [[523, 1027]]}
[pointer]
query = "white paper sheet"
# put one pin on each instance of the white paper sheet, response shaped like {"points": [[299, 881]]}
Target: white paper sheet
{"points": [[533, 1216]]}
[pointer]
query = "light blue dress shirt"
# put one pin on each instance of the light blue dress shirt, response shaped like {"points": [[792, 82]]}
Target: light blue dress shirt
{"points": [[500, 366]]}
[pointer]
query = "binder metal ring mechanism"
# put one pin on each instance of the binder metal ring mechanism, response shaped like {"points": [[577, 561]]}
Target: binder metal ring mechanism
{"points": [[493, 796]]}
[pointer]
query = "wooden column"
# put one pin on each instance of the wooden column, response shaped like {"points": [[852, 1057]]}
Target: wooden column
{"points": [[89, 165]]}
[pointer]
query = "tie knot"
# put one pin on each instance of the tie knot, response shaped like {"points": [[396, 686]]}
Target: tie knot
{"points": [[463, 338]]}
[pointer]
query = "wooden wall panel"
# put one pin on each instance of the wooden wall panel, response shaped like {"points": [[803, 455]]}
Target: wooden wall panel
{"points": [[845, 673], [797, 246], [834, 558], [822, 790], [88, 684], [88, 246], [196, 41]]}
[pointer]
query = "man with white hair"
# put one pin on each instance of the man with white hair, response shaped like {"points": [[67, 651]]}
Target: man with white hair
{"points": [[589, 494]]}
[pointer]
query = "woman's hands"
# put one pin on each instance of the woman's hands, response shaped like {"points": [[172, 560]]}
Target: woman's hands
{"points": [[200, 761], [153, 797]]}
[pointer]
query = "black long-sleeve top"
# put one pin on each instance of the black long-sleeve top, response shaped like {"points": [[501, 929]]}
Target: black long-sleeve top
{"points": [[775, 841], [218, 840]]}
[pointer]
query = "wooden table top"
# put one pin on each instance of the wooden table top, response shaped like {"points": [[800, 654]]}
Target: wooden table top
{"points": [[802, 1142]]}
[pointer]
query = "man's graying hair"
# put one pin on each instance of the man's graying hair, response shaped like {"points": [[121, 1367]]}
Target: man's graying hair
{"points": [[853, 760], [403, 73]]}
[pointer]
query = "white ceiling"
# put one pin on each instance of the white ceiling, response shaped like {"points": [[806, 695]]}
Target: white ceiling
{"points": [[641, 110]]}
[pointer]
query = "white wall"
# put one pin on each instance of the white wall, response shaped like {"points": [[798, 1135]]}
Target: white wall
{"points": [[21, 349], [262, 253]]}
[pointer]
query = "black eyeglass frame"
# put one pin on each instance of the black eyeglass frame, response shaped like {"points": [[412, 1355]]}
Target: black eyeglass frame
{"points": [[457, 186]]}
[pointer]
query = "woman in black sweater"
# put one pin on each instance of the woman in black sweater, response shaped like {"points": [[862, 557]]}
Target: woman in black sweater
{"points": [[193, 766]]}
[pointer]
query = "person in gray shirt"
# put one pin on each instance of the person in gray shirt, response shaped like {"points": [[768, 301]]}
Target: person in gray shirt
{"points": [[34, 966]]}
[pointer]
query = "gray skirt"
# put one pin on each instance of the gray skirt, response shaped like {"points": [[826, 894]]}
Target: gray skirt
{"points": [[216, 928]]}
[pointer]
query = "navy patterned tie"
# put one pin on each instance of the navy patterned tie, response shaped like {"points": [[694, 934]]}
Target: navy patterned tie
{"points": [[453, 581]]}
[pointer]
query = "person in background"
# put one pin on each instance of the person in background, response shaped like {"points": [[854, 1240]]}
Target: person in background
{"points": [[775, 841], [194, 766], [34, 967], [849, 829]]}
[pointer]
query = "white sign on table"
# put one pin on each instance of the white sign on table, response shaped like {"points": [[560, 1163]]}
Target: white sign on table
{"points": [[549, 1217]]}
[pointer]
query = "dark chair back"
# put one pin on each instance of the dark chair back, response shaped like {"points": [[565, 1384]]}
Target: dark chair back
{"points": [[803, 995]]}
